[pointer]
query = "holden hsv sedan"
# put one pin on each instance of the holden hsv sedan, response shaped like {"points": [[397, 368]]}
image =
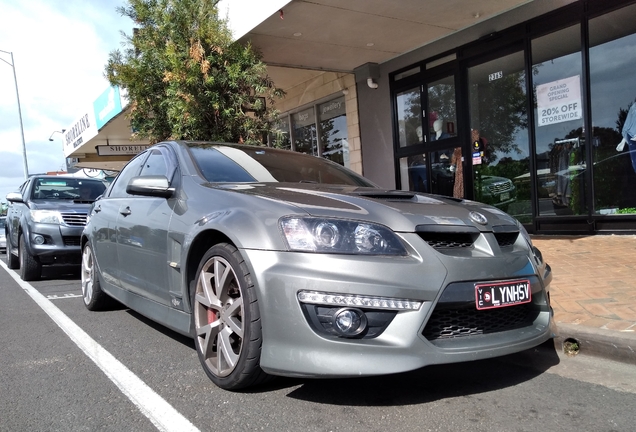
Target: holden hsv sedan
{"points": [[281, 263]]}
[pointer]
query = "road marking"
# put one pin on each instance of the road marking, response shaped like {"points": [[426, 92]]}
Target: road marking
{"points": [[63, 296], [153, 406]]}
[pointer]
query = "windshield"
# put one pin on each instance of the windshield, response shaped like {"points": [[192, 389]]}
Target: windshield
{"points": [[263, 164], [2, 225], [67, 189]]}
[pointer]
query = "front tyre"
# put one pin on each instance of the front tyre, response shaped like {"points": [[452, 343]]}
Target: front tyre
{"points": [[92, 294], [226, 320], [30, 267]]}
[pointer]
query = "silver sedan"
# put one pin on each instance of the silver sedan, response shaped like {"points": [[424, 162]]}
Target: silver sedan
{"points": [[280, 263]]}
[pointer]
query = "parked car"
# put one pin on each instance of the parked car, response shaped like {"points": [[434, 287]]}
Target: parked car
{"points": [[280, 263], [45, 221], [3, 239]]}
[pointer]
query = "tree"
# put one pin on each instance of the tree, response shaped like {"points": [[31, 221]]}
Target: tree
{"points": [[187, 79]]}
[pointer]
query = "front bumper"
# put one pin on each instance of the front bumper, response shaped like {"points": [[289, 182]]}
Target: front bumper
{"points": [[61, 243], [292, 348]]}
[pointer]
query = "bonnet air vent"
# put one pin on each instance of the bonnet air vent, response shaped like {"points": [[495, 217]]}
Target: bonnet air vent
{"points": [[506, 235], [447, 236], [387, 195]]}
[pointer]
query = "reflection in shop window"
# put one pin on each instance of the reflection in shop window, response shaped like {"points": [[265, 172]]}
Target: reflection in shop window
{"points": [[305, 139], [409, 113], [499, 135], [442, 111], [280, 135], [560, 142], [413, 172], [333, 131], [613, 101]]}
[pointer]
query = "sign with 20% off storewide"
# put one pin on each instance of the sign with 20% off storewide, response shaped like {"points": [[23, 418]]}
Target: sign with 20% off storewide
{"points": [[559, 101]]}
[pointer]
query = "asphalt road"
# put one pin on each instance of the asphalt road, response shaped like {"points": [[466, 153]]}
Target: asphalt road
{"points": [[63, 368]]}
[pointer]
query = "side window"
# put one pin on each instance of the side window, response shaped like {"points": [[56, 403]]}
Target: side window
{"points": [[131, 170], [155, 164]]}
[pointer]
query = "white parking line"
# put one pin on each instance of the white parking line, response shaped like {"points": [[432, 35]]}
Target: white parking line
{"points": [[153, 406], [62, 296]]}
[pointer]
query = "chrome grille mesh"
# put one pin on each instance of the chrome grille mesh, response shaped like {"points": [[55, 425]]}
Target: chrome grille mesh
{"points": [[74, 219]]}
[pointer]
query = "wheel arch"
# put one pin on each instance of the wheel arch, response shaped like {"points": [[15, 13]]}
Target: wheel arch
{"points": [[199, 246]]}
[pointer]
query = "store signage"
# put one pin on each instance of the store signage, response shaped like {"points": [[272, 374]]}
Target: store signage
{"points": [[114, 150], [476, 158], [559, 101], [82, 130], [107, 106]]}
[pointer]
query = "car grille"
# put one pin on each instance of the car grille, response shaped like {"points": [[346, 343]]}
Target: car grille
{"points": [[74, 219], [71, 240], [497, 188], [454, 322], [448, 240]]}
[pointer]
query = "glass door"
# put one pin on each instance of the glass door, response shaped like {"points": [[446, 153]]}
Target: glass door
{"points": [[427, 131], [500, 155]]}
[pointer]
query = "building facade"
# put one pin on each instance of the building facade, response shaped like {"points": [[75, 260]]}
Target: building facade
{"points": [[524, 105]]}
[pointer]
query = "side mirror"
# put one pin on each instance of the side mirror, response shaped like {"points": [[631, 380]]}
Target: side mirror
{"points": [[14, 197], [155, 186]]}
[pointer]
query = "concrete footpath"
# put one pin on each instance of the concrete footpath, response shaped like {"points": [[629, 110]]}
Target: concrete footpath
{"points": [[593, 292]]}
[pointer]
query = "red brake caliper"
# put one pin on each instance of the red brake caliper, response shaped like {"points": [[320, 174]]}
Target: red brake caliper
{"points": [[211, 316]]}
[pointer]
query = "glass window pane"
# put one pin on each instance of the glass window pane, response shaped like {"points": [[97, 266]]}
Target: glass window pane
{"points": [[558, 127], [442, 177], [499, 134], [442, 110], [333, 131], [409, 112], [305, 139], [280, 135], [154, 165], [413, 173], [613, 97]]}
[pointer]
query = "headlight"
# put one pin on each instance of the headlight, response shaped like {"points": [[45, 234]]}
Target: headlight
{"points": [[46, 216], [310, 234]]}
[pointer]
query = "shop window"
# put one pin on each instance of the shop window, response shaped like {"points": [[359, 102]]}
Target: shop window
{"points": [[333, 131], [499, 135], [304, 126], [414, 173], [409, 117], [442, 110], [613, 102], [560, 142], [280, 135]]}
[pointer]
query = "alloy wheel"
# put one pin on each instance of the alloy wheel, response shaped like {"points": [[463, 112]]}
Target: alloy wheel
{"points": [[218, 316]]}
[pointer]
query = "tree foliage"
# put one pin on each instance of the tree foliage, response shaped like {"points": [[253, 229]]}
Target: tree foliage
{"points": [[187, 79]]}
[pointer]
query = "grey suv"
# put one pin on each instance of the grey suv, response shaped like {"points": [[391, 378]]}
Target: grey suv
{"points": [[45, 220]]}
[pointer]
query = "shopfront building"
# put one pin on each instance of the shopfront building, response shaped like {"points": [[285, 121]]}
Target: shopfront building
{"points": [[538, 119]]}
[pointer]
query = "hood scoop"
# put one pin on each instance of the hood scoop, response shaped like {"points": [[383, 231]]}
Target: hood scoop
{"points": [[387, 195]]}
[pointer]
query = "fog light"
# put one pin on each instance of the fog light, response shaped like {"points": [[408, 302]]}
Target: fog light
{"points": [[349, 322], [38, 239]]}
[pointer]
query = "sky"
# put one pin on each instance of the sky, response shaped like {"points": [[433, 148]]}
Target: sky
{"points": [[60, 49]]}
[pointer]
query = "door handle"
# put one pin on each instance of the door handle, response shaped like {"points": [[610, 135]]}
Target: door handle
{"points": [[125, 211]]}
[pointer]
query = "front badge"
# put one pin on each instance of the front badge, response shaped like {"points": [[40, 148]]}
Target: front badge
{"points": [[478, 218]]}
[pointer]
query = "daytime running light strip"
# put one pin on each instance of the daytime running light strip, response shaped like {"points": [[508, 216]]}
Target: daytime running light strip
{"points": [[314, 297]]}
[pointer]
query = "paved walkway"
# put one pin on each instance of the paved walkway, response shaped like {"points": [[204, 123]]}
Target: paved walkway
{"points": [[594, 280]]}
